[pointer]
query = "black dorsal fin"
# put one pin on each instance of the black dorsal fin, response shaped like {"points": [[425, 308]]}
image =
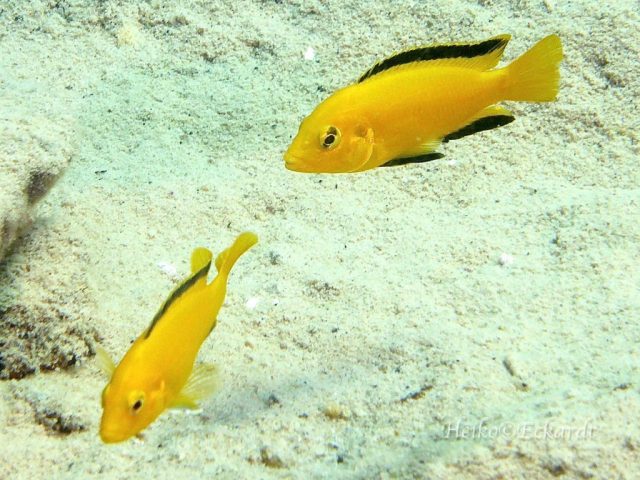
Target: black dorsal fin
{"points": [[177, 293], [442, 52]]}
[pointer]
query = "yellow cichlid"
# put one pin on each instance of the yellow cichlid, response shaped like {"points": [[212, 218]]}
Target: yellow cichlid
{"points": [[158, 370], [405, 106]]}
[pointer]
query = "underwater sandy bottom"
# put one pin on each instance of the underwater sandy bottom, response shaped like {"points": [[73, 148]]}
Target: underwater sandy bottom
{"points": [[474, 317]]}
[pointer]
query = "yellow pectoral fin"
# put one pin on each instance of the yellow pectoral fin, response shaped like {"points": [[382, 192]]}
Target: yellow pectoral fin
{"points": [[203, 382], [104, 361], [362, 149]]}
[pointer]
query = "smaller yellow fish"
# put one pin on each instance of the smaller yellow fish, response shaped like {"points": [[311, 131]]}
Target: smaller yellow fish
{"points": [[158, 370]]}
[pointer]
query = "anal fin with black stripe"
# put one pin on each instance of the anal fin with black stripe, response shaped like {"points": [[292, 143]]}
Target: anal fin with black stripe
{"points": [[488, 119]]}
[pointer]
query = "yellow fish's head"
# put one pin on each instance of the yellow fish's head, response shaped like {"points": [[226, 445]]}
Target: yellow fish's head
{"points": [[330, 143], [129, 405]]}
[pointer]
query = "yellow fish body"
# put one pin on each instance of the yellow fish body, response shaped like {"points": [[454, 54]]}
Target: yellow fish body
{"points": [[405, 106], [158, 370]]}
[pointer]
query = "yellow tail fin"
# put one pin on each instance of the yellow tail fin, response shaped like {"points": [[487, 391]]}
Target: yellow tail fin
{"points": [[535, 76], [227, 258]]}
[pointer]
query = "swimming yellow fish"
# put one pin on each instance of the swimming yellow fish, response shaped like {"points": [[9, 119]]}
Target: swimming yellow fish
{"points": [[158, 370], [405, 106]]}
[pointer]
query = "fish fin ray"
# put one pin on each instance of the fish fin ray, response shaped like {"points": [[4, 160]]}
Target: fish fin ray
{"points": [[195, 280], [203, 382], [183, 401], [479, 55], [104, 361], [535, 75], [488, 119]]}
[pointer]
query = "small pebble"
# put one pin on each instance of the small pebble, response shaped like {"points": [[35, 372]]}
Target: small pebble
{"points": [[309, 53], [168, 269], [505, 259], [252, 303]]}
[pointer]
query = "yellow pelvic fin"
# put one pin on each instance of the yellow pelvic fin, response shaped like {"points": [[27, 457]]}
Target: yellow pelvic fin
{"points": [[535, 75], [419, 154], [426, 157], [104, 361], [227, 258], [494, 110], [203, 382], [477, 55], [422, 149]]}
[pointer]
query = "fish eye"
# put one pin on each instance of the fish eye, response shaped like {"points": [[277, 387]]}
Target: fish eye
{"points": [[330, 138], [136, 401]]}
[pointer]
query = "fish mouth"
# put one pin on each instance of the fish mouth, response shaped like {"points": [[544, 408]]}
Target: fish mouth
{"points": [[291, 162], [113, 436]]}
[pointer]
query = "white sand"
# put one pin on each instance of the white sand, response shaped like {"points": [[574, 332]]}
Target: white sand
{"points": [[182, 114]]}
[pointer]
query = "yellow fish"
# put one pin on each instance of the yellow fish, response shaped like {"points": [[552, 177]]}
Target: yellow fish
{"points": [[158, 370], [401, 109]]}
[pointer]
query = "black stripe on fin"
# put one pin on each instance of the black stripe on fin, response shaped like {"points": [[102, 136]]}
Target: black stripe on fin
{"points": [[427, 157], [480, 125], [177, 293], [437, 52]]}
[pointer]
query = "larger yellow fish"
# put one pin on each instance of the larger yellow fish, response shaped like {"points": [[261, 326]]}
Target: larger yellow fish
{"points": [[158, 370], [405, 106]]}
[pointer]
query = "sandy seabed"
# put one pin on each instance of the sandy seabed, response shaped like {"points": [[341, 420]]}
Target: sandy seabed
{"points": [[474, 317]]}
